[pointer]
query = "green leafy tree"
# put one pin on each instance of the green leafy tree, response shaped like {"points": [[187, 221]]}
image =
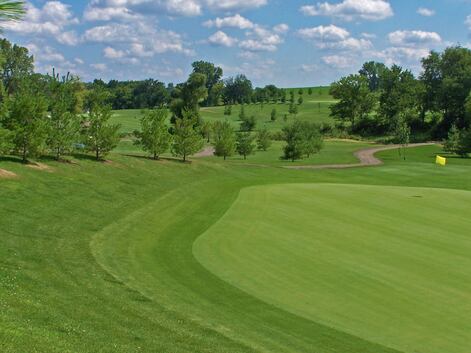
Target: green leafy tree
{"points": [[64, 122], [228, 110], [214, 85], [237, 90], [293, 135], [206, 129], [248, 124], [300, 100], [293, 109], [187, 139], [291, 97], [26, 119], [263, 139], [224, 139], [16, 65], [452, 143], [187, 96], [464, 147], [154, 136], [373, 71], [402, 135], [100, 137], [355, 100], [273, 115], [6, 141], [313, 141], [245, 144], [301, 92], [309, 91]]}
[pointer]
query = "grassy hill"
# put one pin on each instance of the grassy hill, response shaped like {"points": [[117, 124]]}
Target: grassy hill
{"points": [[101, 257]]}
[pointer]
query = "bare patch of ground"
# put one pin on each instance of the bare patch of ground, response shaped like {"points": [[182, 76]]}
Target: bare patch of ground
{"points": [[39, 166], [365, 156], [207, 152], [6, 174]]}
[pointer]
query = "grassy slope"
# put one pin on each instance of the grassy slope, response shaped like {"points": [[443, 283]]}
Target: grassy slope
{"points": [[355, 258], [98, 257]]}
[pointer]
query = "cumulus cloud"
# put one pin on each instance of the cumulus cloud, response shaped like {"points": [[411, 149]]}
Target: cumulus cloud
{"points": [[337, 61], [333, 37], [52, 20], [236, 21], [350, 10], [261, 39], [414, 38], [423, 11], [99, 66], [401, 55], [221, 39]]}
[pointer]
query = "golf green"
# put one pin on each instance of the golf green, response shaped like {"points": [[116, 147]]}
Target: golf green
{"points": [[387, 264]]}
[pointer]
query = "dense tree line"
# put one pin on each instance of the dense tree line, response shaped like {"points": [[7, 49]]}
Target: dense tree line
{"points": [[383, 100]]}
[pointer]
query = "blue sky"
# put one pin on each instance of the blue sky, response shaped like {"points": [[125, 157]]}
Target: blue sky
{"points": [[289, 43]]}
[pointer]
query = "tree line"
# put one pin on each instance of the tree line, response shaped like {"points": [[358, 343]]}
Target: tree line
{"points": [[381, 100]]}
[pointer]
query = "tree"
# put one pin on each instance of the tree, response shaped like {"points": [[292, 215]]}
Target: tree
{"points": [[355, 99], [452, 143], [464, 147], [11, 10], [224, 139], [245, 144], [293, 109], [187, 139], [291, 97], [373, 71], [101, 137], [248, 124], [309, 91], [242, 115], [6, 143], [149, 94], [402, 135], [263, 139], [301, 92], [273, 115], [300, 100], [237, 90], [228, 110], [206, 128], [213, 76], [293, 136], [187, 96], [432, 81], [312, 138], [16, 65], [64, 122], [26, 119], [154, 136]]}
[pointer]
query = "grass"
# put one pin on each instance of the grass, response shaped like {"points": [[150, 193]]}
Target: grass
{"points": [[343, 256], [98, 257]]}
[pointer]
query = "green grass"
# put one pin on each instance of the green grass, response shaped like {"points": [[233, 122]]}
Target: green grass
{"points": [[334, 152], [98, 257], [354, 258]]}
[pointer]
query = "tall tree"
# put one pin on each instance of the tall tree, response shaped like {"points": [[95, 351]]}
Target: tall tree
{"points": [[26, 119], [65, 105], [188, 96], [355, 99], [154, 136], [224, 139], [245, 144], [432, 81], [238, 90], [16, 64], [187, 139], [402, 135], [101, 137], [373, 71], [313, 141], [214, 84], [263, 139], [293, 135]]}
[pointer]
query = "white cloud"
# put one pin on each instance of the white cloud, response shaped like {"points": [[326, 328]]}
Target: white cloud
{"points": [[337, 61], [402, 55], [111, 53], [234, 5], [262, 39], [423, 11], [308, 68], [350, 10], [414, 38], [221, 39], [51, 21], [333, 37], [99, 66], [281, 28], [236, 21]]}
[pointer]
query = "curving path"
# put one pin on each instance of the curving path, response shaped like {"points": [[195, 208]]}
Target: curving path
{"points": [[365, 156]]}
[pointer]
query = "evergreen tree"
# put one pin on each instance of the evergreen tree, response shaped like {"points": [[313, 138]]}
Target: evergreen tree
{"points": [[452, 143], [224, 139]]}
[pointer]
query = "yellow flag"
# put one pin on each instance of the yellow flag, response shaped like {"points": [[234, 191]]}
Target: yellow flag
{"points": [[441, 160]]}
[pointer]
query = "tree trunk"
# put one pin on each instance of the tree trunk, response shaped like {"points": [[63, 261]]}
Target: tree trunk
{"points": [[24, 154], [97, 154]]}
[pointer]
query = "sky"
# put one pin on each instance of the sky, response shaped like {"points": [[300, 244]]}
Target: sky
{"points": [[290, 43]]}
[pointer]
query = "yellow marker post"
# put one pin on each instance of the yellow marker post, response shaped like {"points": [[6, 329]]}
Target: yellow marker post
{"points": [[441, 161]]}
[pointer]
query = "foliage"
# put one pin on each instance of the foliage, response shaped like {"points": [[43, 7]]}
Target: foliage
{"points": [[224, 139], [228, 110], [16, 65], [154, 136], [6, 143], [302, 140], [355, 99], [186, 139], [373, 72], [245, 144], [248, 123], [237, 90], [263, 139], [11, 10], [100, 137], [313, 141], [187, 96], [206, 128], [452, 143], [214, 85], [402, 135], [273, 115]]}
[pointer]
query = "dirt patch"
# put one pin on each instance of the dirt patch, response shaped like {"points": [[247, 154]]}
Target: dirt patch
{"points": [[365, 156], [207, 152], [39, 166], [6, 174]]}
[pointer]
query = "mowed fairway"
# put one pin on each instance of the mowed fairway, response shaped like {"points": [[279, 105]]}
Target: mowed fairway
{"points": [[390, 265]]}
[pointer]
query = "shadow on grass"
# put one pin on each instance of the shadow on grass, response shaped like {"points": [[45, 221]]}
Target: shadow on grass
{"points": [[161, 159]]}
